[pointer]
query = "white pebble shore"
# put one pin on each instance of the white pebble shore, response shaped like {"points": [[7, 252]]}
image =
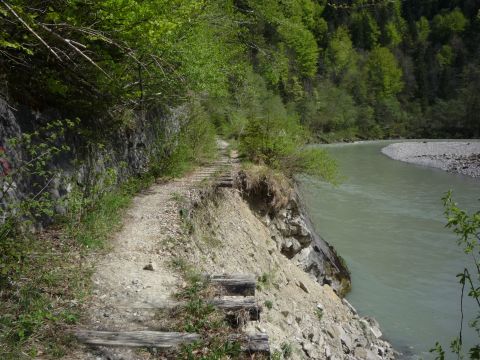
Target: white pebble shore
{"points": [[458, 157]]}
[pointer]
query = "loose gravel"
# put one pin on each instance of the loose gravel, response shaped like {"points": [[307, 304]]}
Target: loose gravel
{"points": [[455, 157]]}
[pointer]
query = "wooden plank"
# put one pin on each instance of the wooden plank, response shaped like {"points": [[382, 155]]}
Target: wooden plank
{"points": [[237, 303], [256, 343], [157, 339], [225, 184], [226, 303], [234, 284]]}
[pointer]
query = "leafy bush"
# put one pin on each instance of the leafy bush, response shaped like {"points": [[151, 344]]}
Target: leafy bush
{"points": [[276, 138], [467, 228]]}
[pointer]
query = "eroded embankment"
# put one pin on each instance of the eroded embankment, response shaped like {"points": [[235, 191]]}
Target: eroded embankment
{"points": [[241, 231]]}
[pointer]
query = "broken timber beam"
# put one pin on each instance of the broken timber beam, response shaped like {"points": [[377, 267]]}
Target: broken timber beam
{"points": [[234, 284]]}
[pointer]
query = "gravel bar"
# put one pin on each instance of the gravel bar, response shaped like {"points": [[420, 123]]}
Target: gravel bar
{"points": [[455, 157]]}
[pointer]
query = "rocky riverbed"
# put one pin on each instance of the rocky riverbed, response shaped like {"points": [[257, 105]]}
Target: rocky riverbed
{"points": [[456, 157]]}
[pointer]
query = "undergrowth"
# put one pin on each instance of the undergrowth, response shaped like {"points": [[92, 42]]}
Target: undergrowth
{"points": [[45, 277]]}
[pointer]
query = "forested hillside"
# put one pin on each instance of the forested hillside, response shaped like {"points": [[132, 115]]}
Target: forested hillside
{"points": [[346, 69]]}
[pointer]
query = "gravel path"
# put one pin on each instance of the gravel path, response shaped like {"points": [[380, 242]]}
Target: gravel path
{"points": [[136, 272], [456, 157]]}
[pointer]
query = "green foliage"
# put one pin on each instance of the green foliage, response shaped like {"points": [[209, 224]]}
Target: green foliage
{"points": [[423, 29], [96, 222], [448, 24], [272, 134], [264, 281], [277, 139], [340, 55], [365, 30], [319, 313], [467, 228], [383, 73], [445, 56], [268, 304], [393, 35], [287, 350], [276, 355], [193, 144], [33, 315], [332, 109], [39, 148], [303, 43], [140, 55]]}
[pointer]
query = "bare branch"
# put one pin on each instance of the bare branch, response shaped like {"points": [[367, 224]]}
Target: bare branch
{"points": [[13, 12], [72, 43]]}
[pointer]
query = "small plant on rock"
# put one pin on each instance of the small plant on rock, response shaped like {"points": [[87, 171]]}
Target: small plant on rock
{"points": [[287, 350], [268, 304]]}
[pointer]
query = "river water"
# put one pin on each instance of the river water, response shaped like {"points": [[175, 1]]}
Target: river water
{"points": [[386, 220]]}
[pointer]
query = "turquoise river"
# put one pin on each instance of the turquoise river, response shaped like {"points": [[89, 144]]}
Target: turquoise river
{"points": [[386, 220]]}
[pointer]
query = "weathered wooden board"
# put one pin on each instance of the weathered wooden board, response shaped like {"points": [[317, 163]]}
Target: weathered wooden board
{"points": [[226, 303], [234, 284], [237, 303], [157, 339], [164, 340], [257, 343]]}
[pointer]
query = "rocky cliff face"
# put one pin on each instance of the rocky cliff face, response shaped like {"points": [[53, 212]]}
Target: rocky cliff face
{"points": [[293, 232], [123, 153]]}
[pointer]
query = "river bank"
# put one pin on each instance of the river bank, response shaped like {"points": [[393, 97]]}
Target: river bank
{"points": [[456, 157]]}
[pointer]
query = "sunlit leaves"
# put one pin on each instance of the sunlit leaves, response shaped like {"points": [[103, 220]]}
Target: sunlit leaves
{"points": [[384, 74]]}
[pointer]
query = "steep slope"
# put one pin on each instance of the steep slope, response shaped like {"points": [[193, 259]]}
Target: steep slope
{"points": [[299, 313]]}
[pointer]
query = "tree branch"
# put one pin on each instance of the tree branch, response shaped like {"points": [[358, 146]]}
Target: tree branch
{"points": [[13, 12], [74, 45]]}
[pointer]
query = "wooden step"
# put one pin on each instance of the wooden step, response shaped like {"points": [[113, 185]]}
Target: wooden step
{"points": [[256, 343], [225, 184], [145, 338], [228, 304], [234, 284], [237, 303]]}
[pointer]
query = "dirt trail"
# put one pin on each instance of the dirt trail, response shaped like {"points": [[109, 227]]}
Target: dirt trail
{"points": [[136, 272]]}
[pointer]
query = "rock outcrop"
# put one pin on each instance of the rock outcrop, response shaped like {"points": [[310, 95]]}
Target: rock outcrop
{"points": [[295, 236], [124, 152]]}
